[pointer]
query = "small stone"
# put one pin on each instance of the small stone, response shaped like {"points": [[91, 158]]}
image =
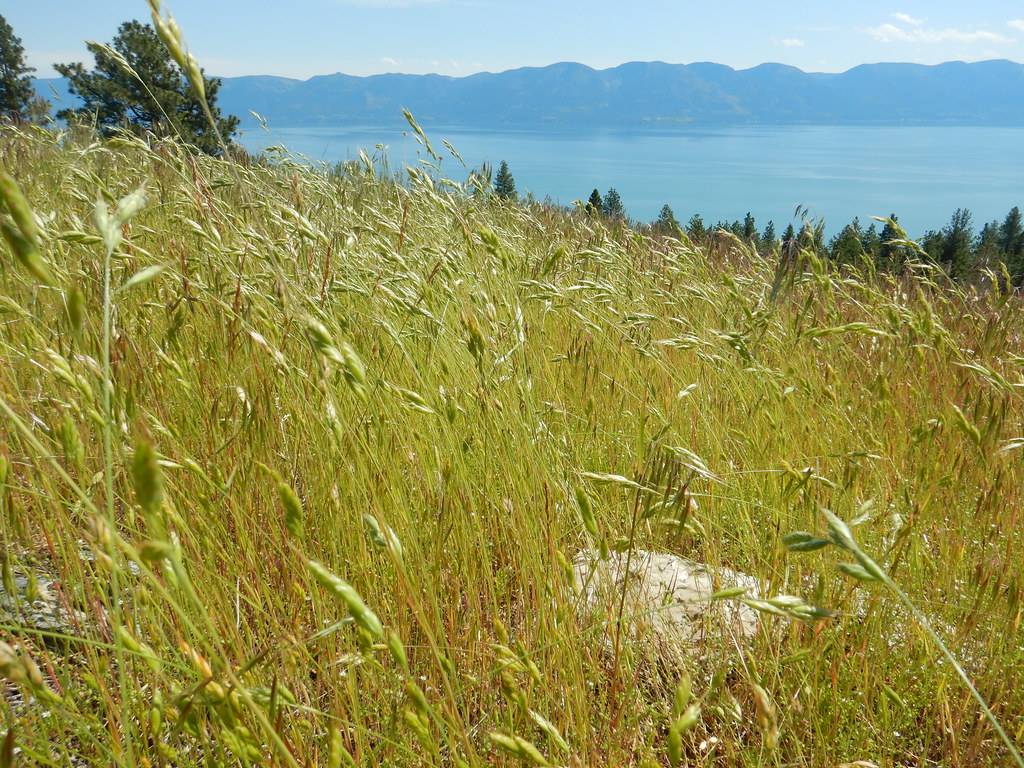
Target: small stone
{"points": [[667, 598], [46, 613]]}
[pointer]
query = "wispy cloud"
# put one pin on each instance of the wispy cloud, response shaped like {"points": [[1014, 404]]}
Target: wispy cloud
{"points": [[387, 61], [43, 60], [907, 19], [1017, 24], [891, 33], [792, 42]]}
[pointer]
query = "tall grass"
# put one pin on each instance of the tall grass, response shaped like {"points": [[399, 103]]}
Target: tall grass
{"points": [[345, 425]]}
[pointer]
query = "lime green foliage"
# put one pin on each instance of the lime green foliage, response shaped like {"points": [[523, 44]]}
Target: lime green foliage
{"points": [[358, 430]]}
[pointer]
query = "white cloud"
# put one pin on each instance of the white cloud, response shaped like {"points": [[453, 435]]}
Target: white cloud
{"points": [[43, 60], [1017, 24], [389, 62], [887, 33], [792, 42], [890, 33], [907, 19]]}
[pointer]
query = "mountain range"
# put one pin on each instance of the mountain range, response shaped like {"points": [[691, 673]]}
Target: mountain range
{"points": [[636, 95]]}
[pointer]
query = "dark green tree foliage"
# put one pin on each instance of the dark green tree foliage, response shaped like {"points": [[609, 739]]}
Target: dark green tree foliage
{"points": [[1011, 233], [16, 92], [846, 247], [733, 227], [595, 205], [1011, 243], [789, 238], [696, 228], [667, 223], [871, 243], [932, 244], [892, 255], [750, 229], [957, 255], [164, 105], [987, 253], [957, 248], [504, 183], [613, 207]]}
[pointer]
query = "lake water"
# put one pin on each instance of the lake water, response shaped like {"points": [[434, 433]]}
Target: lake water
{"points": [[921, 174]]}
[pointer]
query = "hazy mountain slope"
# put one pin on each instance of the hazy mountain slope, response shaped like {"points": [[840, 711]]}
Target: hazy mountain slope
{"points": [[641, 94]]}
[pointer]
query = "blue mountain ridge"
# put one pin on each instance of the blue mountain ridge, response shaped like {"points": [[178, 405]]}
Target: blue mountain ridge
{"points": [[635, 95]]}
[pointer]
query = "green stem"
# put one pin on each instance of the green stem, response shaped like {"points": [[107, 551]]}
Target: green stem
{"points": [[921, 619], [989, 714], [108, 473]]}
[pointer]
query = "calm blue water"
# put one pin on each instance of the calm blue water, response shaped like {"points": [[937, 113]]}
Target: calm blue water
{"points": [[921, 174]]}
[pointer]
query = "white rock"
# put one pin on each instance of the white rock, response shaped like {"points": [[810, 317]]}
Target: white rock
{"points": [[46, 612], [667, 598]]}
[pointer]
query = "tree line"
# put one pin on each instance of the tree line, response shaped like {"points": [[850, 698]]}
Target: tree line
{"points": [[608, 206], [134, 84], [961, 250]]}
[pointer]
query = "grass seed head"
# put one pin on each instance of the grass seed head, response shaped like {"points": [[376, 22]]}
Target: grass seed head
{"points": [[347, 595], [27, 253], [17, 206], [293, 515], [147, 478]]}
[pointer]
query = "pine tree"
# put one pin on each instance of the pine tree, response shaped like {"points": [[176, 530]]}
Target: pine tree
{"points": [[890, 255], [695, 229], [768, 237], [666, 223], [16, 92], [613, 207], [871, 243], [957, 254], [165, 106], [987, 254], [789, 238], [846, 247], [750, 229], [1011, 243], [932, 243], [504, 183], [1011, 233], [595, 205]]}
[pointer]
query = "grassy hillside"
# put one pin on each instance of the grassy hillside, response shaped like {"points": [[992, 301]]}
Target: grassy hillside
{"points": [[410, 387]]}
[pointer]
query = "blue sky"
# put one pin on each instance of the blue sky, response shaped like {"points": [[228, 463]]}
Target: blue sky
{"points": [[302, 38]]}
